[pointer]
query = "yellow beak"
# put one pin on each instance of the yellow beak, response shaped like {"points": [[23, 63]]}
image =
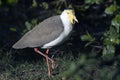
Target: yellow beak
{"points": [[73, 19]]}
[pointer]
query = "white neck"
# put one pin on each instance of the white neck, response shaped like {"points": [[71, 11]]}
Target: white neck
{"points": [[66, 22]]}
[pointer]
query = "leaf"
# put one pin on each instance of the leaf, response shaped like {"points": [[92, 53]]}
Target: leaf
{"points": [[111, 9], [112, 36], [109, 49], [28, 25], [34, 3], [13, 29], [87, 37], [116, 22], [12, 1], [44, 5], [108, 52], [34, 22]]}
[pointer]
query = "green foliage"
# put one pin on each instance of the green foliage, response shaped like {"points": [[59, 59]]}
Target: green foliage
{"points": [[111, 9], [116, 23], [74, 69], [44, 5], [108, 52], [34, 4], [93, 1], [112, 36], [13, 29], [29, 25], [87, 37], [85, 67], [12, 2]]}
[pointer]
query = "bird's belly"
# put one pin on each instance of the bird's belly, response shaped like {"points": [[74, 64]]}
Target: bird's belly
{"points": [[57, 41]]}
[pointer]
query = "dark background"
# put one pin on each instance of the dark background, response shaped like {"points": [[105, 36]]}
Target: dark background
{"points": [[96, 36]]}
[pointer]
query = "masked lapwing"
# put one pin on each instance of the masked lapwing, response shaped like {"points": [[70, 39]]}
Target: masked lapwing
{"points": [[49, 33]]}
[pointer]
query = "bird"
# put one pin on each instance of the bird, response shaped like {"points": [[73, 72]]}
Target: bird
{"points": [[49, 33]]}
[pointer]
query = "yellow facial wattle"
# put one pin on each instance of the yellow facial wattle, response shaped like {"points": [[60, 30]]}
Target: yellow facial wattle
{"points": [[71, 16]]}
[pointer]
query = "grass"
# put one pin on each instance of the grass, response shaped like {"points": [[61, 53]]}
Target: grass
{"points": [[87, 66], [12, 69]]}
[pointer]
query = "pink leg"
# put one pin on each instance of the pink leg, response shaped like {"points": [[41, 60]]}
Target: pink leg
{"points": [[53, 65], [47, 58], [49, 72]]}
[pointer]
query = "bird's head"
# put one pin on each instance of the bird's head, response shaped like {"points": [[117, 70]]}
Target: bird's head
{"points": [[71, 15]]}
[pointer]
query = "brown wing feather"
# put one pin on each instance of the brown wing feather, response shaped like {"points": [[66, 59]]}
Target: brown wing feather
{"points": [[41, 34]]}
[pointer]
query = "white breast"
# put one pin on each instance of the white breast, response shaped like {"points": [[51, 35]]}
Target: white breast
{"points": [[67, 30]]}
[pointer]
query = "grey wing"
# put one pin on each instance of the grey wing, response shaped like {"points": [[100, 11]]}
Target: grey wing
{"points": [[41, 34]]}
